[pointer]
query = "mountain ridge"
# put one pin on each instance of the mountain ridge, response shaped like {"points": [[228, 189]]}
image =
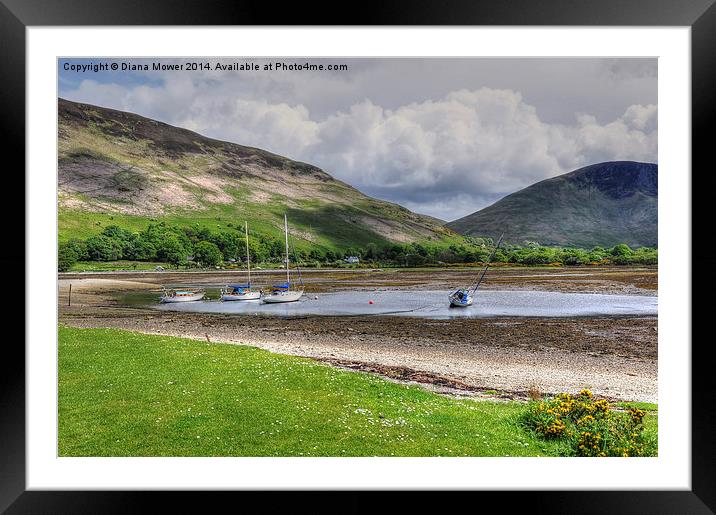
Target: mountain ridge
{"points": [[120, 167], [603, 204]]}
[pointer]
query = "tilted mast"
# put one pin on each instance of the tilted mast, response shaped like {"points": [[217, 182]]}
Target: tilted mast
{"points": [[494, 251]]}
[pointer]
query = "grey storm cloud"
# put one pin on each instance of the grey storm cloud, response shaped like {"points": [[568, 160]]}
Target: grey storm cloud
{"points": [[443, 137]]}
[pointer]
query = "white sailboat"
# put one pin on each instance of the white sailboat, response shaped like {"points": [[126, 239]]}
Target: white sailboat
{"points": [[463, 297], [283, 292], [242, 291]]}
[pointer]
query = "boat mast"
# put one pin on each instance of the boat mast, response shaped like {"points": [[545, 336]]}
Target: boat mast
{"points": [[285, 224], [248, 257], [494, 251]]}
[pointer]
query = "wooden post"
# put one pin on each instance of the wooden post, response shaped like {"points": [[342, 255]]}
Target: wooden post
{"points": [[69, 300]]}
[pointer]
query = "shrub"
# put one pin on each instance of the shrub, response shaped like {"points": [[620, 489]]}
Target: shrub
{"points": [[79, 247], [171, 249], [207, 253], [66, 257], [140, 250], [589, 427], [621, 250], [103, 248]]}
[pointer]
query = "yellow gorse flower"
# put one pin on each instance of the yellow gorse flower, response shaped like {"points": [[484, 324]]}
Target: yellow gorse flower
{"points": [[585, 393], [568, 417]]}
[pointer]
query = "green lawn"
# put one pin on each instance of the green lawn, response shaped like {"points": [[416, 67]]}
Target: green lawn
{"points": [[130, 394]]}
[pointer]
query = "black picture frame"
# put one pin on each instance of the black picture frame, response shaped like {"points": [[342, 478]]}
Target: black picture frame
{"points": [[700, 15]]}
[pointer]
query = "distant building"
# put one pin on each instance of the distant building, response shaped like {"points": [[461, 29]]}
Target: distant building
{"points": [[352, 260]]}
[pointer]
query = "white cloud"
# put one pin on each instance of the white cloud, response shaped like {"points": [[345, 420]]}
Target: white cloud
{"points": [[641, 117], [484, 143], [446, 156], [279, 127]]}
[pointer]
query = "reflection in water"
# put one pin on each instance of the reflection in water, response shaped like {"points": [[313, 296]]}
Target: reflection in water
{"points": [[426, 304]]}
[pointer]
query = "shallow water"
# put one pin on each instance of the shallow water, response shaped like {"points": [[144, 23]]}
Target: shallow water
{"points": [[426, 304]]}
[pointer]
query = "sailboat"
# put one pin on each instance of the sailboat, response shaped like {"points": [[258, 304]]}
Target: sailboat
{"points": [[283, 292], [463, 297], [242, 291], [171, 295]]}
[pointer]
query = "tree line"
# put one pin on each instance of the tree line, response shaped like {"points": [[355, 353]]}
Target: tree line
{"points": [[188, 246]]}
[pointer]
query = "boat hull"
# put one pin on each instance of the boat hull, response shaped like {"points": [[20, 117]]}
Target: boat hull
{"points": [[250, 295], [284, 296], [182, 298], [463, 302]]}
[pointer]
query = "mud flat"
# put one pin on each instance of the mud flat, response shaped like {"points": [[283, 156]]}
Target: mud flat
{"points": [[431, 304], [614, 280], [615, 356]]}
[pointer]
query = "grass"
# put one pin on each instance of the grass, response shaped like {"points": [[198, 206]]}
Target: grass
{"points": [[646, 406], [130, 394], [102, 266], [651, 426], [329, 225]]}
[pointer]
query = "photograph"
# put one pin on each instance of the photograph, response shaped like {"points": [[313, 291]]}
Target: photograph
{"points": [[420, 248], [357, 257]]}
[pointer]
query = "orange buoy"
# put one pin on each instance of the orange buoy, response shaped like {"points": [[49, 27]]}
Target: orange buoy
{"points": [[370, 302]]}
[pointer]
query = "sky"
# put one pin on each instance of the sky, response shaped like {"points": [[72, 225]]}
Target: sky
{"points": [[441, 136]]}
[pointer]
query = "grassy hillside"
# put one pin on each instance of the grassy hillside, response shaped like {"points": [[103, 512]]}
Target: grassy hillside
{"points": [[118, 168], [599, 205]]}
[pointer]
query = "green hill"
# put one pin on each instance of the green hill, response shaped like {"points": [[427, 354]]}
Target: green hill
{"points": [[118, 168], [600, 205]]}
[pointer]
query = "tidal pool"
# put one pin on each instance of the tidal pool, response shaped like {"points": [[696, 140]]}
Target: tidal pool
{"points": [[425, 304]]}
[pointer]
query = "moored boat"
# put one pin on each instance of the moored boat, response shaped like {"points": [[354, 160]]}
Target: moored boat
{"points": [[239, 292], [242, 291], [284, 292], [463, 297], [181, 295]]}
